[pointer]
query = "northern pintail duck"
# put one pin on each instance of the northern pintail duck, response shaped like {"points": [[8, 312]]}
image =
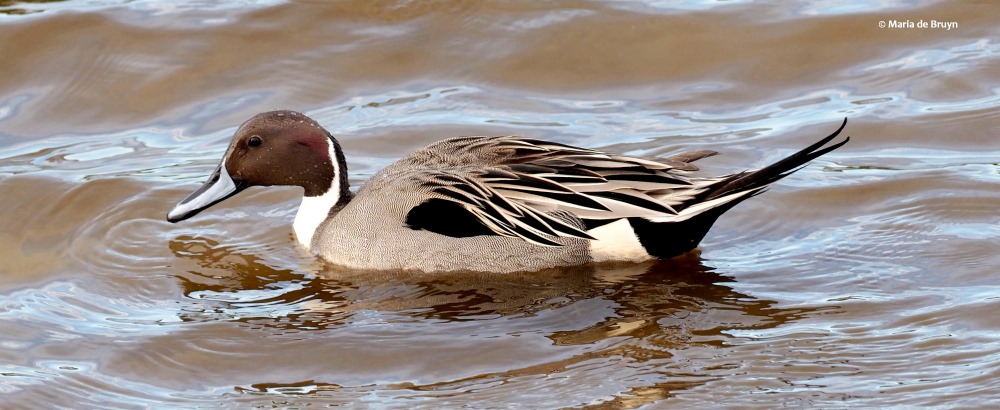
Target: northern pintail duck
{"points": [[488, 204]]}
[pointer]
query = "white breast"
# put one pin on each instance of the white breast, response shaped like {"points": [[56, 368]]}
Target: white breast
{"points": [[312, 212]]}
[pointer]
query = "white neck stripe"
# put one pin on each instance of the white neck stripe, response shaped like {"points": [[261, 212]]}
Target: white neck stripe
{"points": [[315, 209]]}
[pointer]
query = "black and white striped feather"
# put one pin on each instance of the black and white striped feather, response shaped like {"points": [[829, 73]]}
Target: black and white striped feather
{"points": [[523, 187]]}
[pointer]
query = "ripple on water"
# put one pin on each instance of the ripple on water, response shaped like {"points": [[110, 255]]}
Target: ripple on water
{"points": [[865, 279], [569, 333], [149, 8]]}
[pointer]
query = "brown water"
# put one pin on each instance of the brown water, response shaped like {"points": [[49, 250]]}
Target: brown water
{"points": [[868, 279]]}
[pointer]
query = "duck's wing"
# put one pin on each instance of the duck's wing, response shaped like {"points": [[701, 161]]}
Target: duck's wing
{"points": [[521, 187]]}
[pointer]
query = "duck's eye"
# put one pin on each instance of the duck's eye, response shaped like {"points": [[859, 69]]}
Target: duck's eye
{"points": [[254, 141]]}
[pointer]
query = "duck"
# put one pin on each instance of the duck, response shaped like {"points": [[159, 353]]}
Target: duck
{"points": [[496, 204]]}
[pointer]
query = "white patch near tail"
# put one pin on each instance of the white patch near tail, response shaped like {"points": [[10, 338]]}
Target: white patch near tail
{"points": [[616, 241]]}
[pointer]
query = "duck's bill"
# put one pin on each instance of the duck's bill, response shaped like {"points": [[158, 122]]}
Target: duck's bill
{"points": [[218, 187]]}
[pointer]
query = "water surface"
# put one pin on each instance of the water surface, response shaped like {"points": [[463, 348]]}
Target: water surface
{"points": [[868, 279]]}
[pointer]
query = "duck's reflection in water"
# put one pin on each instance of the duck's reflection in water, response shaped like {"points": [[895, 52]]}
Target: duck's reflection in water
{"points": [[637, 311], [651, 298]]}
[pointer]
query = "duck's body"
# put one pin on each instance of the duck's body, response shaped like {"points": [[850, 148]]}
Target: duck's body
{"points": [[488, 204]]}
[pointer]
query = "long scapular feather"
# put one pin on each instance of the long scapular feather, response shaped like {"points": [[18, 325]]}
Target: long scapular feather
{"points": [[539, 191]]}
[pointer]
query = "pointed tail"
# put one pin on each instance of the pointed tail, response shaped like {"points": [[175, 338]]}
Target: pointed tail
{"points": [[750, 180], [671, 238]]}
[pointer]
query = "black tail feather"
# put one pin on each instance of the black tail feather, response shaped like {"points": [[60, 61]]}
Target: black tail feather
{"points": [[745, 181], [669, 239]]}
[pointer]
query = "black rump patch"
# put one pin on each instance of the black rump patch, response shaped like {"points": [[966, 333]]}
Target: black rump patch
{"points": [[668, 239], [446, 218]]}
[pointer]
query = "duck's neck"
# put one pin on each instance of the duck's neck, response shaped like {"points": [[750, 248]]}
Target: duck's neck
{"points": [[316, 209]]}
